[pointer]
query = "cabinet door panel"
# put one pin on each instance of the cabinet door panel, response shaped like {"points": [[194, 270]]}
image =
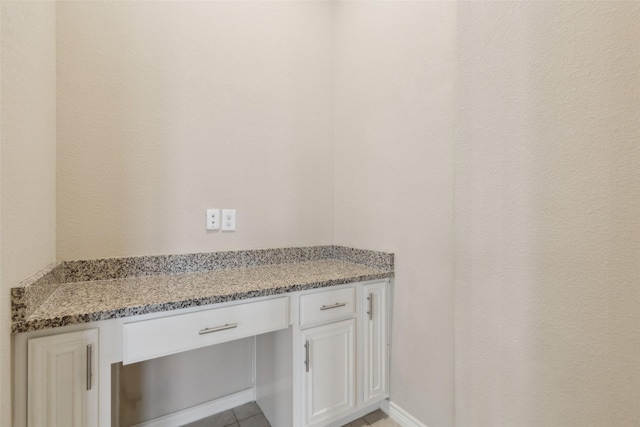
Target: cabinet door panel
{"points": [[330, 381], [375, 342], [61, 384]]}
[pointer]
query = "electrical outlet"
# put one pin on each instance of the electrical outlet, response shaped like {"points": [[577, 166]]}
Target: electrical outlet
{"points": [[213, 219], [228, 220]]}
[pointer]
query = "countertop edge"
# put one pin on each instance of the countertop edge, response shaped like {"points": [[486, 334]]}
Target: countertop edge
{"points": [[44, 284]]}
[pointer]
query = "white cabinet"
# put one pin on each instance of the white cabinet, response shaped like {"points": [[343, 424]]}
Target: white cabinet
{"points": [[321, 356], [329, 376], [148, 339], [327, 305], [343, 341], [62, 386], [375, 334]]}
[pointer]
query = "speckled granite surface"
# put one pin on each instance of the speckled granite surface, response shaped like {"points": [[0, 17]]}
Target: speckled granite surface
{"points": [[114, 268], [86, 291], [34, 290]]}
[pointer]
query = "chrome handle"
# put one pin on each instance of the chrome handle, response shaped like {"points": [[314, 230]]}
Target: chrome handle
{"points": [[89, 366], [218, 328], [370, 312], [306, 355], [336, 305]]}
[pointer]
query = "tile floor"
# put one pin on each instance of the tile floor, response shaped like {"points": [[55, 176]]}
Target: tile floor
{"points": [[247, 415], [376, 418], [250, 415]]}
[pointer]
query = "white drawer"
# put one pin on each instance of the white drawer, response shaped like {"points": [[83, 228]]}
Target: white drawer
{"points": [[152, 338], [327, 305]]}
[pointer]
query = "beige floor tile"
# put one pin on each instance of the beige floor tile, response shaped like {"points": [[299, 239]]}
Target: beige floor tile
{"points": [[380, 419], [385, 422], [247, 410], [360, 422], [223, 419], [250, 415], [374, 416], [255, 421]]}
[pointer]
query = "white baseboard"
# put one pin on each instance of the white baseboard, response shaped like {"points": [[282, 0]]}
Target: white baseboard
{"points": [[203, 410], [399, 415]]}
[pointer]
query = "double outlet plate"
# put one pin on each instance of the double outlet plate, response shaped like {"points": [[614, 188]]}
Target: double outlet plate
{"points": [[227, 222]]}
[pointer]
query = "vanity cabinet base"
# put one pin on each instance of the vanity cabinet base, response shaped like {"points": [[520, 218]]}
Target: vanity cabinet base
{"points": [[321, 361], [62, 380]]}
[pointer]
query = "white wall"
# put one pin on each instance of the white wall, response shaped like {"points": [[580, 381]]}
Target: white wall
{"points": [[161, 386], [27, 169], [547, 224], [159, 102], [394, 129], [168, 108]]}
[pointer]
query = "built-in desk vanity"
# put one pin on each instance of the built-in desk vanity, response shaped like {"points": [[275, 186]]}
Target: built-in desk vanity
{"points": [[320, 317]]}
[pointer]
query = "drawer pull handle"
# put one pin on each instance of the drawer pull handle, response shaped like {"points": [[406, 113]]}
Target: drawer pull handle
{"points": [[218, 328], [89, 366], [306, 355], [370, 312], [336, 305]]}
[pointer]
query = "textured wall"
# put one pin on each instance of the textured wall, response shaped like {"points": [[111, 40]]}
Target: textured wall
{"points": [[27, 169], [160, 102], [167, 108], [547, 225], [158, 387], [394, 114]]}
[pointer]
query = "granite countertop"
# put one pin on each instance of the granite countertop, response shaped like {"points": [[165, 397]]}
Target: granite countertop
{"points": [[85, 291]]}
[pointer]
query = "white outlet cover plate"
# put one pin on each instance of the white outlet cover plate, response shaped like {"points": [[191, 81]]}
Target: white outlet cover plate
{"points": [[228, 220], [213, 219]]}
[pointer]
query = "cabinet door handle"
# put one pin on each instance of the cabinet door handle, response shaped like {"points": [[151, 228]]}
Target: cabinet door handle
{"points": [[336, 305], [306, 355], [370, 312], [89, 366], [218, 328]]}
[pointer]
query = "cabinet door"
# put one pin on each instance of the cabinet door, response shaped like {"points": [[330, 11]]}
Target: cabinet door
{"points": [[375, 366], [61, 387], [328, 372]]}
